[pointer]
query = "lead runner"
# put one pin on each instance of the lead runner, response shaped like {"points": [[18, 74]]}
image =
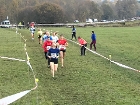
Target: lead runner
{"points": [[53, 55]]}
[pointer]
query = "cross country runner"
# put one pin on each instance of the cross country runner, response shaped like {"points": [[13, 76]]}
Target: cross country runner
{"points": [[46, 46], [40, 36], [32, 30], [62, 47], [53, 55]]}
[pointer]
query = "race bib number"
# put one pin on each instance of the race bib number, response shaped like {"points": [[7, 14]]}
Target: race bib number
{"points": [[62, 47], [53, 55], [48, 47], [32, 31]]}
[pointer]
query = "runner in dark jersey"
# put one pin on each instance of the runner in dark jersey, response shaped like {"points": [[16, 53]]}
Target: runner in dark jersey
{"points": [[53, 55]]}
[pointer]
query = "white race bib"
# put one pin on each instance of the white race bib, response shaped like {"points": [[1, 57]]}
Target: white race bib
{"points": [[62, 47], [53, 55], [48, 47], [32, 31]]}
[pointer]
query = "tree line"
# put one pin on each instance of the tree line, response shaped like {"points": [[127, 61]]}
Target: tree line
{"points": [[61, 11]]}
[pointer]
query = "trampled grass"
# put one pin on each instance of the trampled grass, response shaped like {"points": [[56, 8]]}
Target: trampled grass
{"points": [[85, 80]]}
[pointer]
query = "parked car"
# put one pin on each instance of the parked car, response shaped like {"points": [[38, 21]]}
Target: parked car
{"points": [[89, 21], [76, 21], [103, 20], [95, 20], [6, 24]]}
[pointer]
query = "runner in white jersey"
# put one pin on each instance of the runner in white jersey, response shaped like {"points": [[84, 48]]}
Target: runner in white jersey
{"points": [[54, 37], [32, 30]]}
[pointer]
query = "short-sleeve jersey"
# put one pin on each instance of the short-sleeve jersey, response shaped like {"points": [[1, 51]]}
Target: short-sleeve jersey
{"points": [[53, 53], [54, 39], [39, 32], [32, 29], [62, 43], [47, 45]]}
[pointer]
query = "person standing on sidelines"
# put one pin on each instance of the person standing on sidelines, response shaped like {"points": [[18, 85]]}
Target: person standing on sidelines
{"points": [[46, 46], [28, 25], [19, 25], [23, 24], [53, 55], [62, 47], [32, 30], [73, 33], [39, 36], [93, 42], [83, 44]]}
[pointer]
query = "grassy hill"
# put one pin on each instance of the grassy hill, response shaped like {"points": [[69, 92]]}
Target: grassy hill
{"points": [[84, 80]]}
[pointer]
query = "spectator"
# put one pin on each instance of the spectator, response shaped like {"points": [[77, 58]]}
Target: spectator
{"points": [[83, 45], [73, 33], [93, 42]]}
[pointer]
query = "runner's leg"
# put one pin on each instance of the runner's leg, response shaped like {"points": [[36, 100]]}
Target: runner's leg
{"points": [[52, 68], [61, 57], [55, 67]]}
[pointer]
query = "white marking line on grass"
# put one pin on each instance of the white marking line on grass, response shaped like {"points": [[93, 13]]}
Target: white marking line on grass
{"points": [[10, 99], [13, 59], [119, 64]]}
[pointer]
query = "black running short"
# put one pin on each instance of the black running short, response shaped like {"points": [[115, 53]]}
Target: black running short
{"points": [[63, 50], [54, 60], [39, 36]]}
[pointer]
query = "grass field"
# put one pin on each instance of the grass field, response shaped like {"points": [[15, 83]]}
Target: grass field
{"points": [[84, 80]]}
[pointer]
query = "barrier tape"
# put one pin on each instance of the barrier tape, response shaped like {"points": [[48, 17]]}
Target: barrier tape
{"points": [[13, 59], [10, 99], [28, 62], [119, 64], [13, 98]]}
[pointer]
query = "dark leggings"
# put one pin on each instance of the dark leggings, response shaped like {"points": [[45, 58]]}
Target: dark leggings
{"points": [[83, 49], [74, 35], [94, 44], [47, 58]]}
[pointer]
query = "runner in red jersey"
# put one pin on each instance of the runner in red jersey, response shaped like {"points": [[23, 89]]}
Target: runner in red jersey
{"points": [[46, 46], [62, 47]]}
